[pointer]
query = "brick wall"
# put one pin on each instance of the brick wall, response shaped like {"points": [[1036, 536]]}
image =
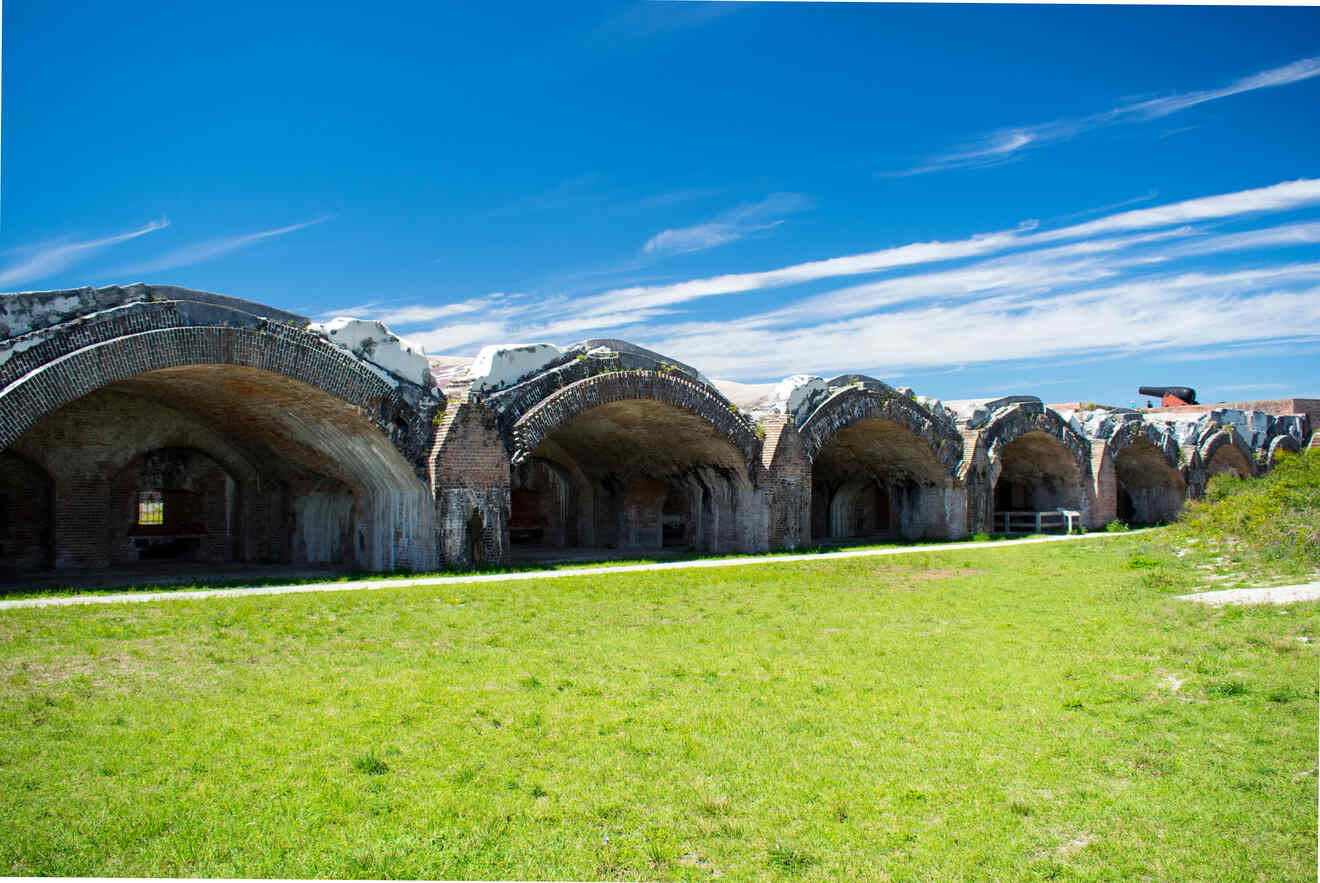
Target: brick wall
{"points": [[469, 470], [1106, 484], [786, 483]]}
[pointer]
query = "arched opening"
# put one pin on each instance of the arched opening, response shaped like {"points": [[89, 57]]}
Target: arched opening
{"points": [[474, 531], [877, 479], [175, 504], [1228, 458], [631, 476], [1037, 478], [27, 503], [1151, 490], [218, 465]]}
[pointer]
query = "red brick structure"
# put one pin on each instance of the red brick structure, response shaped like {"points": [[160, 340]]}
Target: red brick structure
{"points": [[786, 483], [254, 441], [1034, 461], [883, 466], [147, 423]]}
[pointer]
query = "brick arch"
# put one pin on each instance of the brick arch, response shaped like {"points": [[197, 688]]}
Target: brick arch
{"points": [[1140, 431], [877, 401], [1230, 437], [576, 399], [273, 347], [1283, 444], [1018, 420]]}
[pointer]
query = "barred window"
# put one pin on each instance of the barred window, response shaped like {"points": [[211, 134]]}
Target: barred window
{"points": [[151, 507]]}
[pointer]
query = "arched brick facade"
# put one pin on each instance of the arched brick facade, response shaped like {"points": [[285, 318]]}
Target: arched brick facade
{"points": [[1134, 430], [1029, 421], [1225, 437], [1283, 444], [879, 402], [353, 485], [577, 398], [883, 467], [144, 337], [1149, 484], [1018, 420]]}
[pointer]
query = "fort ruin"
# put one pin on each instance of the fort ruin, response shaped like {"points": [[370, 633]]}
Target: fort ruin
{"points": [[150, 422]]}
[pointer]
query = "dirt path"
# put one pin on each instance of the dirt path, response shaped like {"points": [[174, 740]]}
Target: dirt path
{"points": [[395, 582], [1271, 595]]}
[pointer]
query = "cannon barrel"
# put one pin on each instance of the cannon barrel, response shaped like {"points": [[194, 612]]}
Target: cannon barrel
{"points": [[1186, 393]]}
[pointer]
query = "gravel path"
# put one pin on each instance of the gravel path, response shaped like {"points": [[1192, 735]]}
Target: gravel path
{"points": [[1271, 595], [395, 582]]}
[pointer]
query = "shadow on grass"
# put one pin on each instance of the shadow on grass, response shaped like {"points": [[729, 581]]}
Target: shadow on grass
{"points": [[285, 578]]}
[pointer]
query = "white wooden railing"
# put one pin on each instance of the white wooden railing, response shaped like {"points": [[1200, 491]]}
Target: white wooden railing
{"points": [[1037, 522]]}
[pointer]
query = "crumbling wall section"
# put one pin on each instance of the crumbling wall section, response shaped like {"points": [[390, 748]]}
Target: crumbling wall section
{"points": [[470, 478], [786, 484]]}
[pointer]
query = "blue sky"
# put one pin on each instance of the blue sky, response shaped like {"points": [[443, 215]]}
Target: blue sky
{"points": [[967, 200]]}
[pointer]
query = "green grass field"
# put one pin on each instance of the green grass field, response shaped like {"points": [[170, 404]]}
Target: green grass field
{"points": [[1023, 712]]}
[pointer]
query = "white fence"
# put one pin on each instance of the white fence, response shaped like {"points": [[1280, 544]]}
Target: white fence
{"points": [[1064, 520]]}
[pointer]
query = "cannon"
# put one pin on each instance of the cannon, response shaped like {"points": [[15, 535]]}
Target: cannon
{"points": [[1185, 395]]}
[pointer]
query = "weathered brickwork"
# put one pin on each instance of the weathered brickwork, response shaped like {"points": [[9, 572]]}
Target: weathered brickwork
{"points": [[786, 484], [570, 401], [1034, 461], [469, 470], [883, 466], [265, 441], [275, 348], [1226, 451]]}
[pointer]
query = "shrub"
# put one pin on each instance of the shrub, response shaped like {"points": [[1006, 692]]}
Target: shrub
{"points": [[1275, 518]]}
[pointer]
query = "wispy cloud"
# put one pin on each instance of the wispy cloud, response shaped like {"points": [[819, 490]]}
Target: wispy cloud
{"points": [[1279, 197], [729, 227], [42, 261], [1128, 282], [209, 250], [1006, 144], [417, 313]]}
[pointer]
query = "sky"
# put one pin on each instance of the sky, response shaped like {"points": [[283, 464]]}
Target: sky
{"points": [[1063, 201]]}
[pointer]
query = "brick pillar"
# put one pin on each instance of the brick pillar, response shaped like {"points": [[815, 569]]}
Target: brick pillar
{"points": [[974, 473], [786, 482], [469, 471], [1105, 508], [1193, 471]]}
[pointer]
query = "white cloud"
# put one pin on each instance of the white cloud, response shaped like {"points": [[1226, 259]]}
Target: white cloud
{"points": [[47, 260], [1119, 285], [208, 250], [1134, 318], [1003, 145], [416, 313], [1278, 197], [463, 337], [728, 227]]}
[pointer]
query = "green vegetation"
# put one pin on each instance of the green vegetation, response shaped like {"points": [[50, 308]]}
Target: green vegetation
{"points": [[1029, 712], [1271, 522], [276, 577]]}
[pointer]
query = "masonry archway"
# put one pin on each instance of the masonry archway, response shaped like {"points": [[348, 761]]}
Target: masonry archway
{"points": [[1226, 451], [302, 441], [1037, 464], [633, 462], [882, 467], [1151, 488]]}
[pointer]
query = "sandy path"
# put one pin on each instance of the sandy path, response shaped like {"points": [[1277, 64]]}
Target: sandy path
{"points": [[1270, 595], [395, 582]]}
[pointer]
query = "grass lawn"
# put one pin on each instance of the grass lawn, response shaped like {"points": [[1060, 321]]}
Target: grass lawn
{"points": [[1041, 711]]}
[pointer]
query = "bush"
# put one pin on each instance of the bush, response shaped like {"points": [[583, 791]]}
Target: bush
{"points": [[1275, 518]]}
